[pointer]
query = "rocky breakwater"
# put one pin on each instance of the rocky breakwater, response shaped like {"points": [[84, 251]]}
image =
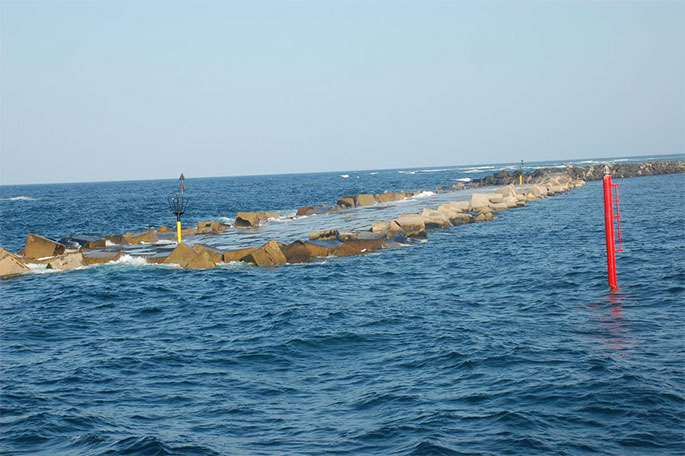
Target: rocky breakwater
{"points": [[586, 173], [84, 250]]}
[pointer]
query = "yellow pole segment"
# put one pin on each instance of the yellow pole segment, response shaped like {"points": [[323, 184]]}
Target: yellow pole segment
{"points": [[520, 179], [178, 230]]}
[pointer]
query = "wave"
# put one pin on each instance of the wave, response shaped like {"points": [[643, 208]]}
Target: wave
{"points": [[424, 194], [130, 260], [344, 176], [373, 174], [407, 172], [19, 198], [477, 169], [464, 179]]}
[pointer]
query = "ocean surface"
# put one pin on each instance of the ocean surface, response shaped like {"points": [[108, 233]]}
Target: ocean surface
{"points": [[491, 338]]}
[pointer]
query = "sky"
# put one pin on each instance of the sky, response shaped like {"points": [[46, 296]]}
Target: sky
{"points": [[93, 91]]}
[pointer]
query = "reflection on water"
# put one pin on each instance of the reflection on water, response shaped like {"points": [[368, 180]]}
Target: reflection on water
{"points": [[612, 326]]}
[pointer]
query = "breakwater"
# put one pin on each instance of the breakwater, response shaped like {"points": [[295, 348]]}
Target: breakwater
{"points": [[204, 248]]}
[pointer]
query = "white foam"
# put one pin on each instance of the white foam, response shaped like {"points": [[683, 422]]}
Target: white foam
{"points": [[109, 243], [407, 172], [18, 198], [344, 176], [35, 268], [437, 170], [424, 194], [464, 179], [161, 242], [373, 174], [130, 260], [226, 220]]}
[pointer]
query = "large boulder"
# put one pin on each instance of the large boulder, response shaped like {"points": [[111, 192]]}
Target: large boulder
{"points": [[237, 255], [509, 190], [510, 201], [325, 235], [359, 247], [484, 216], [145, 237], [347, 202], [303, 252], [252, 219], [117, 239], [364, 199], [67, 261], [214, 254], [267, 255], [412, 224], [306, 210], [496, 199], [213, 227], [187, 258], [10, 264], [41, 247], [460, 206], [435, 219], [85, 241], [164, 229], [479, 201], [389, 196]]}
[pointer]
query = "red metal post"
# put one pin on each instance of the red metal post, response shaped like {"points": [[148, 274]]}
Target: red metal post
{"points": [[609, 231]]}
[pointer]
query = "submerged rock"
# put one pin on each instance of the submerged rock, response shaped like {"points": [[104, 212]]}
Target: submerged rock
{"points": [[364, 200], [213, 227], [435, 219], [41, 247], [10, 264], [303, 252], [101, 257]]}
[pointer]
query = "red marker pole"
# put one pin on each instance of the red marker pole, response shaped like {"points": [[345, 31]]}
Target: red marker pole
{"points": [[609, 231]]}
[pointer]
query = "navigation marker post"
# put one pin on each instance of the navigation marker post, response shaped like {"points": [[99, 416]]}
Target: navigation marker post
{"points": [[611, 199], [521, 174], [178, 204]]}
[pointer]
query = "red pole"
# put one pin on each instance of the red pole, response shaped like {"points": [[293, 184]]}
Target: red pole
{"points": [[609, 231]]}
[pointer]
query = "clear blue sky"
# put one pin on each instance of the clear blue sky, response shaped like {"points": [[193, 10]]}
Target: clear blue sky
{"points": [[138, 90]]}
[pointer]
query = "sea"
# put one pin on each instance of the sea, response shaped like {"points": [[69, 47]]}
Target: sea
{"points": [[494, 338]]}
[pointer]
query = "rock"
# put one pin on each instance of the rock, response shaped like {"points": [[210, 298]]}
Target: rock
{"points": [[509, 190], [364, 200], [237, 255], [83, 241], [496, 199], [201, 261], [325, 235], [499, 206], [377, 227], [389, 196], [303, 252], [510, 201], [101, 257], [359, 247], [148, 237], [41, 247], [67, 261], [435, 219], [267, 255], [412, 224], [117, 239], [578, 183], [346, 202], [306, 210], [479, 201], [164, 229], [460, 218], [213, 227], [537, 190], [460, 206], [484, 216], [252, 219], [10, 264], [214, 255], [187, 258]]}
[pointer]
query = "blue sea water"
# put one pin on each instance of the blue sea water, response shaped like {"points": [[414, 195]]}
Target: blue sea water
{"points": [[488, 339]]}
